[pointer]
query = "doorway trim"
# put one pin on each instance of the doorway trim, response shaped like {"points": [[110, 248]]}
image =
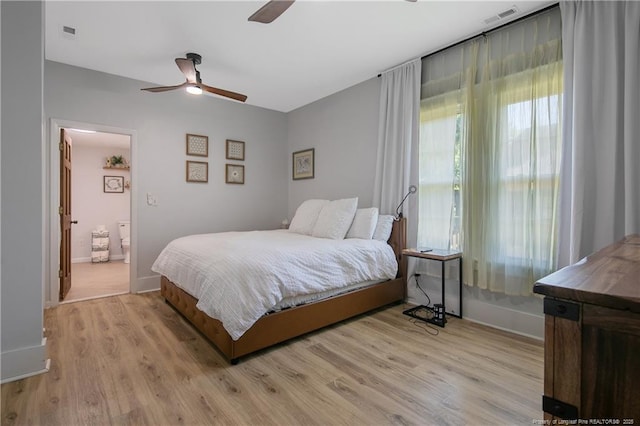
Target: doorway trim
{"points": [[52, 225]]}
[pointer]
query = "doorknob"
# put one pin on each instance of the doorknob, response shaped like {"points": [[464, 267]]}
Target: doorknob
{"points": [[75, 222]]}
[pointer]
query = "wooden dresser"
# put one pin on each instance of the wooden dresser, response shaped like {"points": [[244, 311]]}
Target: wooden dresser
{"points": [[592, 337]]}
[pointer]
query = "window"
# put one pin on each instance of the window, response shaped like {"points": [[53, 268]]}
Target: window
{"points": [[529, 162], [440, 174]]}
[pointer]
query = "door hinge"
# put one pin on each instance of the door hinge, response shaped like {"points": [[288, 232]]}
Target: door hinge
{"points": [[60, 275], [562, 309], [60, 210], [558, 408], [61, 146]]}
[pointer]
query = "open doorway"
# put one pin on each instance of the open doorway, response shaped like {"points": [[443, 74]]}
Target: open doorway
{"points": [[96, 200]]}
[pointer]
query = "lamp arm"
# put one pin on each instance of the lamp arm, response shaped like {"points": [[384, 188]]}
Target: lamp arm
{"points": [[412, 190]]}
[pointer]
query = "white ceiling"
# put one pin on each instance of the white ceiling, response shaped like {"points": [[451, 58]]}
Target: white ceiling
{"points": [[316, 48]]}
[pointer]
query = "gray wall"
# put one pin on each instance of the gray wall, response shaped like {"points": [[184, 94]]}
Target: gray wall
{"points": [[343, 129], [161, 122], [22, 188]]}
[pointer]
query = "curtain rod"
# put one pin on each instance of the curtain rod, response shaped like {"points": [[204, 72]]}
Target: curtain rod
{"points": [[482, 34]]}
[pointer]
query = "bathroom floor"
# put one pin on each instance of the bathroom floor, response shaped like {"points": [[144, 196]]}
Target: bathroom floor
{"points": [[93, 280]]}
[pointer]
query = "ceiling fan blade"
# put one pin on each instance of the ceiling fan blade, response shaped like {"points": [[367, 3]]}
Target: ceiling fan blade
{"points": [[222, 92], [188, 68], [165, 88], [270, 11]]}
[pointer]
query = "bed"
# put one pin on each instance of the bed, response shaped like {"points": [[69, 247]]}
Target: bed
{"points": [[276, 326]]}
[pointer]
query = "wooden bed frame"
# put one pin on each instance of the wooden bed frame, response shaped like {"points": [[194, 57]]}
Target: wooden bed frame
{"points": [[288, 323]]}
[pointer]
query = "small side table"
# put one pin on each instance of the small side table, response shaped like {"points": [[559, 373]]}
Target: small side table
{"points": [[443, 256]]}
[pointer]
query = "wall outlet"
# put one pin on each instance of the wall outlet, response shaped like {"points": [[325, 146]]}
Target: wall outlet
{"points": [[152, 200]]}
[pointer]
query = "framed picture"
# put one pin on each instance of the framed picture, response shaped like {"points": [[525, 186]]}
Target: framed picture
{"points": [[235, 150], [113, 184], [197, 171], [234, 174], [197, 145], [303, 164]]}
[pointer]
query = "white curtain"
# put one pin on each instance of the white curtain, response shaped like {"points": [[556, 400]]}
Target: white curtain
{"points": [[398, 139], [490, 153], [601, 137]]}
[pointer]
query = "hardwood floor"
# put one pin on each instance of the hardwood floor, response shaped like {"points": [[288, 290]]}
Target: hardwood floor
{"points": [[132, 359], [91, 280]]}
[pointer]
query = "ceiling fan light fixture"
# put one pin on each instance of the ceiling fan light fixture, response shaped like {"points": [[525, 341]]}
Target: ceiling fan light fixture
{"points": [[194, 90], [193, 83]]}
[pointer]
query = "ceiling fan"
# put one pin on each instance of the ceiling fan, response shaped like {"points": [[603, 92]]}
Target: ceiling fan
{"points": [[270, 11], [273, 9], [194, 84]]}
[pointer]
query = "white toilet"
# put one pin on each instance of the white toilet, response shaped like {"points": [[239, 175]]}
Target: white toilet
{"points": [[124, 227]]}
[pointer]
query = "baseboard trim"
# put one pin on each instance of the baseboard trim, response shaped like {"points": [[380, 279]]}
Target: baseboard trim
{"points": [[502, 318], [25, 362], [88, 259], [531, 336], [146, 284], [518, 322]]}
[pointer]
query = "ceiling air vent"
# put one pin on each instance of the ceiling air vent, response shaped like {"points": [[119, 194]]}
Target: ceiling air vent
{"points": [[501, 15], [507, 12], [68, 32]]}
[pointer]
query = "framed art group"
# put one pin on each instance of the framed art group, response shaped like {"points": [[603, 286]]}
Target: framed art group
{"points": [[198, 171], [303, 162]]}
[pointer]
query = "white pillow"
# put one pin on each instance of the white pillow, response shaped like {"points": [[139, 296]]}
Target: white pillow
{"points": [[306, 216], [383, 227], [364, 223], [335, 219]]}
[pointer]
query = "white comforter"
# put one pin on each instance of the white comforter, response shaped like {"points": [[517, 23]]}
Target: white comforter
{"points": [[239, 276]]}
